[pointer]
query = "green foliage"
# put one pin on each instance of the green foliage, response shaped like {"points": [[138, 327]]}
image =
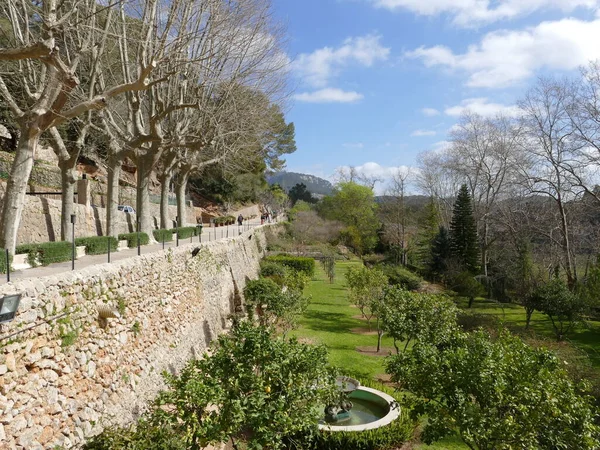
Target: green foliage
{"points": [[163, 235], [299, 263], [46, 253], [441, 252], [463, 232], [299, 192], [354, 206], [498, 394], [413, 317], [275, 306], [274, 270], [401, 276], [266, 388], [366, 289], [97, 245], [565, 309], [465, 285], [299, 206], [132, 239], [185, 232], [428, 230], [3, 263]]}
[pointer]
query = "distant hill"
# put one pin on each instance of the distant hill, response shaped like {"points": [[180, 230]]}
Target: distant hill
{"points": [[288, 180], [411, 201]]}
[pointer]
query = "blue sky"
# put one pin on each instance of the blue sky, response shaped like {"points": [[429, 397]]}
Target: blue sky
{"points": [[376, 82]]}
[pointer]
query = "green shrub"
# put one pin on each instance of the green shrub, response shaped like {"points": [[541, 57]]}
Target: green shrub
{"points": [[3, 263], [270, 269], [185, 232], [132, 239], [401, 276], [97, 245], [300, 263], [46, 253], [163, 235]]}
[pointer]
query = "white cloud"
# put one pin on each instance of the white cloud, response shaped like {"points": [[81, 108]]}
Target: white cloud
{"points": [[505, 57], [430, 112], [329, 95], [317, 68], [420, 133], [482, 107], [353, 145], [473, 12]]}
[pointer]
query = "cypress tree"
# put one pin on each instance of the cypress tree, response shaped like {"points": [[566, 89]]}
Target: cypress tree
{"points": [[429, 228], [440, 252], [463, 232]]}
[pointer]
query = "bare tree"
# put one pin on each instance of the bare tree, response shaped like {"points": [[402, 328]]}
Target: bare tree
{"points": [[550, 145], [41, 82], [394, 214]]}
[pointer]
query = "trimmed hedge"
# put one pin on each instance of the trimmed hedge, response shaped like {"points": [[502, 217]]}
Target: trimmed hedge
{"points": [[163, 234], [97, 245], [46, 253], [132, 239], [299, 263], [186, 232], [224, 220], [3, 264]]}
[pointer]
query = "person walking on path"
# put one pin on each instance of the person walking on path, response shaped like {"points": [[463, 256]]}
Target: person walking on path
{"points": [[240, 220]]}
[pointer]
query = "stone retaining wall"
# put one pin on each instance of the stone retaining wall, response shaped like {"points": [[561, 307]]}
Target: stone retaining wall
{"points": [[67, 378]]}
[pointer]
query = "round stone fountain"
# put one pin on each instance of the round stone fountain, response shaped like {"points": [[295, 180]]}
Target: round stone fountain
{"points": [[360, 408]]}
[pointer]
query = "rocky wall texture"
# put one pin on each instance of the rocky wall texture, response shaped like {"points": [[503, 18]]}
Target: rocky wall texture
{"points": [[40, 221], [73, 373]]}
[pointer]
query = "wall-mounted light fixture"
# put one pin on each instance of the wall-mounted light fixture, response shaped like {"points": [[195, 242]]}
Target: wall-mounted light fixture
{"points": [[8, 307]]}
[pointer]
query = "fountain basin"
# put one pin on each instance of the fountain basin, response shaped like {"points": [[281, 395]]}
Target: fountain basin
{"points": [[372, 409]]}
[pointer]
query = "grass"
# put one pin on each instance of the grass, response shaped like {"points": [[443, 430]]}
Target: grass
{"points": [[513, 316], [329, 320]]}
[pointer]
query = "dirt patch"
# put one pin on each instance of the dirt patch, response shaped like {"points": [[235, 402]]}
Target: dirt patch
{"points": [[307, 341], [364, 331], [431, 288], [372, 350]]}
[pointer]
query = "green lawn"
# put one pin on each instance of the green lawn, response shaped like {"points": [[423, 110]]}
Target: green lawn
{"points": [[587, 337], [329, 321]]}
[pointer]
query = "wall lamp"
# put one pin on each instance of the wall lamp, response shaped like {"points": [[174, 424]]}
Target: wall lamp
{"points": [[8, 307]]}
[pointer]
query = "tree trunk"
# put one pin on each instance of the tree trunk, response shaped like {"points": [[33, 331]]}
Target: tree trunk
{"points": [[165, 181], [16, 187], [144, 171], [67, 181], [180, 187], [112, 194]]}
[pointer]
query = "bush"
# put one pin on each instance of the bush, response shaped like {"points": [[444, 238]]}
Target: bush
{"points": [[185, 232], [401, 276], [270, 269], [97, 245], [163, 235], [132, 239], [3, 263], [46, 253], [300, 263]]}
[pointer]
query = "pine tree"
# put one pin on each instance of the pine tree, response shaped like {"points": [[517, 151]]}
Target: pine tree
{"points": [[463, 232], [427, 233], [440, 253]]}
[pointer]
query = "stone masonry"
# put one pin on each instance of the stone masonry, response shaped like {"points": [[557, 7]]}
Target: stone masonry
{"points": [[74, 372]]}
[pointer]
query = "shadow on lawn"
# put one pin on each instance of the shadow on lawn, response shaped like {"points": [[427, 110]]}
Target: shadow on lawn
{"points": [[328, 321]]}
